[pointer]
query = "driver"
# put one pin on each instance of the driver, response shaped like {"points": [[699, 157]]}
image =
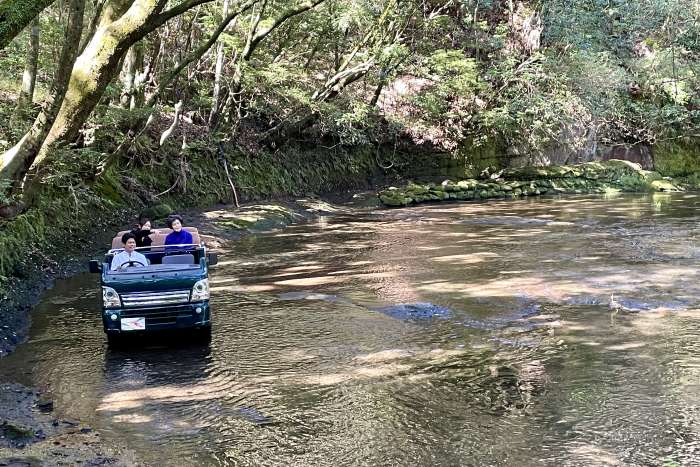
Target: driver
{"points": [[129, 257]]}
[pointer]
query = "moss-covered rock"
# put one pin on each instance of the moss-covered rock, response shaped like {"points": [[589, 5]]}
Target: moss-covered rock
{"points": [[14, 431], [591, 177]]}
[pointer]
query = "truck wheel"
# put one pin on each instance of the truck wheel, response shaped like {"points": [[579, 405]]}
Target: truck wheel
{"points": [[114, 340], [204, 335]]}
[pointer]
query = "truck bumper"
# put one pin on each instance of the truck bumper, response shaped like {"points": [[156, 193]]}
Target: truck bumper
{"points": [[190, 315]]}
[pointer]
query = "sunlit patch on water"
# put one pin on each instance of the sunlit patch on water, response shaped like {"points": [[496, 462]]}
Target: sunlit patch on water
{"points": [[312, 296], [631, 305]]}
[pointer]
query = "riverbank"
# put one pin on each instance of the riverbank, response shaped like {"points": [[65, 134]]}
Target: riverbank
{"points": [[614, 176]]}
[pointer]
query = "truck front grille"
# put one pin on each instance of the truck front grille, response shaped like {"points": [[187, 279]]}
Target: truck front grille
{"points": [[145, 299]]}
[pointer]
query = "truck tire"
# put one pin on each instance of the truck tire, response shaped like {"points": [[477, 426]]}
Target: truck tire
{"points": [[204, 335], [114, 341]]}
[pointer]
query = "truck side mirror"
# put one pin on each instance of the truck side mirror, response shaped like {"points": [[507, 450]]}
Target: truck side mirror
{"points": [[95, 266], [212, 259]]}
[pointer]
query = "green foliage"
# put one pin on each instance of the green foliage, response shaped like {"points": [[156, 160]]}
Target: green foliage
{"points": [[5, 185], [677, 159], [605, 72], [73, 175]]}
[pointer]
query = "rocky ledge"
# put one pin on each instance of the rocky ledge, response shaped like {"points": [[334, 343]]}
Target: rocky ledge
{"points": [[591, 177]]}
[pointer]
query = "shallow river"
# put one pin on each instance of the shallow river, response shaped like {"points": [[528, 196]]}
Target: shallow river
{"points": [[559, 331]]}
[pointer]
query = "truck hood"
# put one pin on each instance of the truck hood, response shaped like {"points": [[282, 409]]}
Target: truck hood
{"points": [[154, 278]]}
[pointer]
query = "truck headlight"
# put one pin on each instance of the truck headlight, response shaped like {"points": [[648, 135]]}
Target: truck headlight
{"points": [[200, 291], [110, 298]]}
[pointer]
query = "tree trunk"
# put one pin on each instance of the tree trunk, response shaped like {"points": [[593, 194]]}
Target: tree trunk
{"points": [[97, 65], [312, 54], [92, 72], [176, 120], [133, 63], [259, 35], [377, 93], [196, 54], [217, 74], [123, 23], [15, 162], [15, 15], [96, 15], [128, 77], [340, 81], [167, 80], [26, 94]]}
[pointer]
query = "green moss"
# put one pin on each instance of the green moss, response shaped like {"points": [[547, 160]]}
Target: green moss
{"points": [[675, 159], [594, 177], [17, 237], [15, 432], [159, 211], [109, 188], [485, 155]]}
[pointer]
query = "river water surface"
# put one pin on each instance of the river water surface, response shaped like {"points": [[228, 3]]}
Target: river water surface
{"points": [[552, 331]]}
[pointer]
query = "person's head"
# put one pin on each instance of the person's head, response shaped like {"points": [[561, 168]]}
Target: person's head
{"points": [[129, 241], [145, 223], [175, 222]]}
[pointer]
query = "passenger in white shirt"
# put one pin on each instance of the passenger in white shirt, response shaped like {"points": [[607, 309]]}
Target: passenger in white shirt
{"points": [[129, 257]]}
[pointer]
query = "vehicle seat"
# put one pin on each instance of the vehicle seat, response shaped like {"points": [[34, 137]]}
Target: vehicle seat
{"points": [[178, 259], [159, 238], [117, 241]]}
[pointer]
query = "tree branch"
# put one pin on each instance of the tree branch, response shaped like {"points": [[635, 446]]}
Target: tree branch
{"points": [[197, 53], [15, 15], [177, 10], [253, 42]]}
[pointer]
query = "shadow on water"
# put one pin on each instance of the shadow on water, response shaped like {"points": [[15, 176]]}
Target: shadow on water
{"points": [[558, 331]]}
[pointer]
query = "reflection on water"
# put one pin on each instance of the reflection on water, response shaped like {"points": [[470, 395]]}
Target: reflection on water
{"points": [[551, 331]]}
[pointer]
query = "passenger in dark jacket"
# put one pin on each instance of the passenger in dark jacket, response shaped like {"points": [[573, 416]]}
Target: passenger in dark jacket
{"points": [[178, 236], [141, 233]]}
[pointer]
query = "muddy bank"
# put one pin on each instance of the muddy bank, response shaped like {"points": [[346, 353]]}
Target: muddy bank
{"points": [[34, 435]]}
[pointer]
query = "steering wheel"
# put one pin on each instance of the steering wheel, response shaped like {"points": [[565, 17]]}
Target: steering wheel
{"points": [[131, 264]]}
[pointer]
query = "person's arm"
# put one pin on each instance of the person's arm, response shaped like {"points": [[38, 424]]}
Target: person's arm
{"points": [[169, 241], [141, 234], [116, 262], [144, 260]]}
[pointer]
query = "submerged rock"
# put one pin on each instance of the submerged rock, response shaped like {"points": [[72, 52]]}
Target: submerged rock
{"points": [[415, 311], [16, 432], [253, 415]]}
